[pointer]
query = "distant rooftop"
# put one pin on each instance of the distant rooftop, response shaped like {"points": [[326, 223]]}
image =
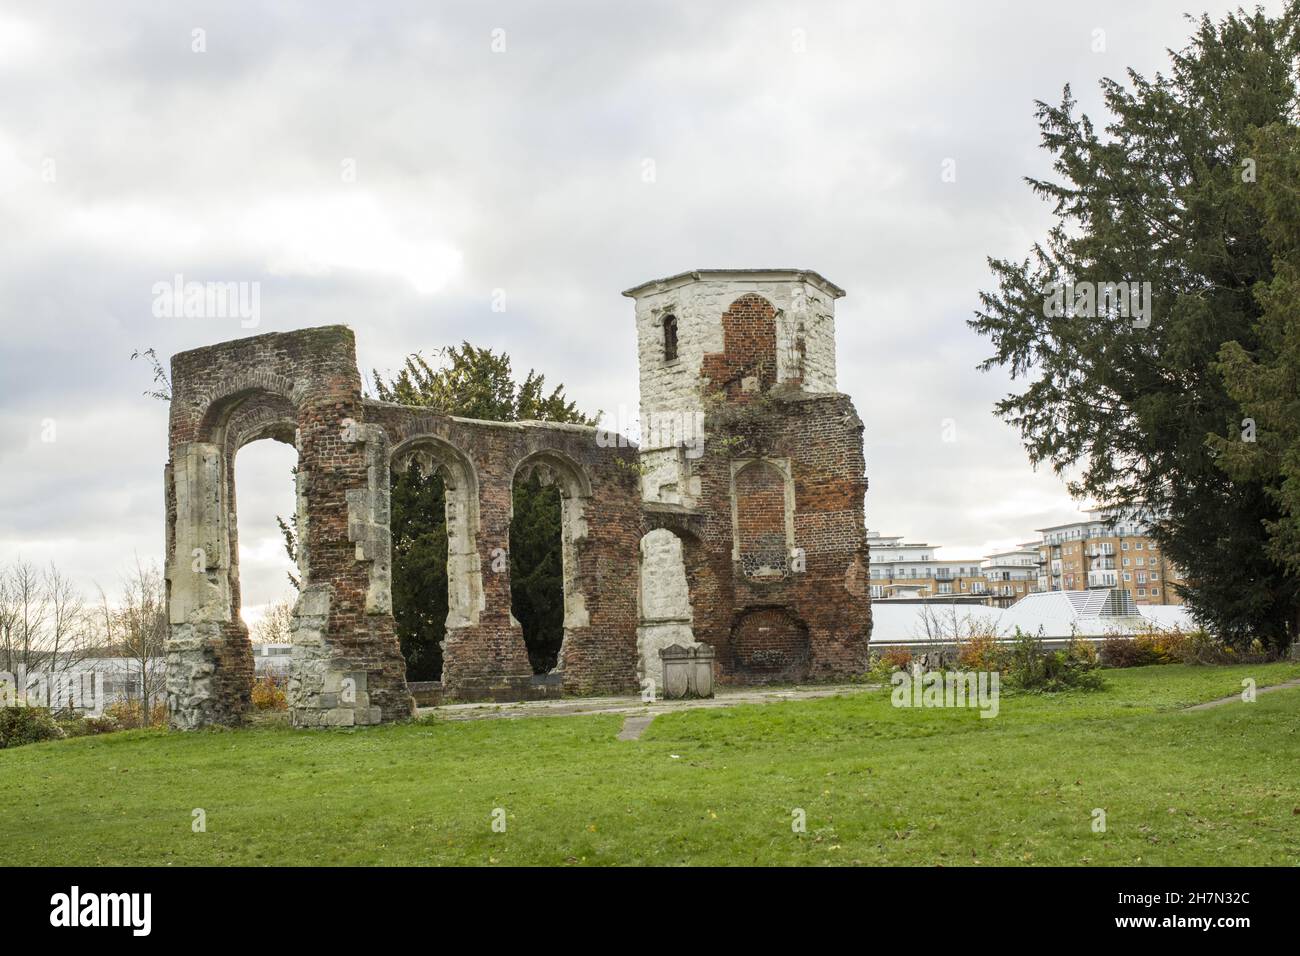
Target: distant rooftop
{"points": [[1052, 614], [1099, 514], [1098, 603]]}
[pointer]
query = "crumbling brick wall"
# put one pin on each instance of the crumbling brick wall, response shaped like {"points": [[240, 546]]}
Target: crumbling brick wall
{"points": [[770, 511], [766, 500], [301, 386], [823, 585], [484, 654]]}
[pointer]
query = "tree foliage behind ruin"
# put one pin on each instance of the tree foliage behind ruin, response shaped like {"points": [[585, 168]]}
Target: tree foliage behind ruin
{"points": [[474, 383]]}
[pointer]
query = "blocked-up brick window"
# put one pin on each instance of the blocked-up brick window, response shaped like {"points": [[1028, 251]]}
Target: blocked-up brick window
{"points": [[670, 338], [760, 521], [749, 343], [768, 644]]}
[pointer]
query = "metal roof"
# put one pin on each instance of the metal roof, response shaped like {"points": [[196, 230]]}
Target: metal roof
{"points": [[1049, 614]]}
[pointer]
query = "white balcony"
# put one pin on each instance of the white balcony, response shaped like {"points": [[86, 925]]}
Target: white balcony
{"points": [[1102, 579]]}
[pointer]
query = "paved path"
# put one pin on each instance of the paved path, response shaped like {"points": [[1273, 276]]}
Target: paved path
{"points": [[632, 706], [640, 713], [1236, 698], [634, 727]]}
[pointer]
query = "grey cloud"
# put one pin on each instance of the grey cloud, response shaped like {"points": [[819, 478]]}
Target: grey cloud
{"points": [[528, 164]]}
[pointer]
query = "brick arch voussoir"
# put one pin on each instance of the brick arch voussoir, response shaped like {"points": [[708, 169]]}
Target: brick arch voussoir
{"points": [[226, 394], [552, 464], [275, 419], [430, 454]]}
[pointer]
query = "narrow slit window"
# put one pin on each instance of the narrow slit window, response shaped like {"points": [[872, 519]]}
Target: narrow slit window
{"points": [[670, 338]]}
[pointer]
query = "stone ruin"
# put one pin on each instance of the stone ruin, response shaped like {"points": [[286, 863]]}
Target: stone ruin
{"points": [[737, 520]]}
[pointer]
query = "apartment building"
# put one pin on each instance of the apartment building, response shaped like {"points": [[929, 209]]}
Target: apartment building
{"points": [[1010, 575], [903, 569], [1107, 549]]}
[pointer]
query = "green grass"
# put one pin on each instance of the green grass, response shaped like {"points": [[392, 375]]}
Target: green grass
{"points": [[879, 786]]}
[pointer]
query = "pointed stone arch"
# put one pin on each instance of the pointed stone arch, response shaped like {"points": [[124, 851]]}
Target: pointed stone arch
{"points": [[210, 652], [430, 455], [235, 390], [554, 467]]}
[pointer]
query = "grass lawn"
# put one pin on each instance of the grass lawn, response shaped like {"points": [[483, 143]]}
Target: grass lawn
{"points": [[879, 785]]}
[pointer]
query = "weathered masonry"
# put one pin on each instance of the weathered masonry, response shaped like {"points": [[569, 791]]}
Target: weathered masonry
{"points": [[737, 522]]}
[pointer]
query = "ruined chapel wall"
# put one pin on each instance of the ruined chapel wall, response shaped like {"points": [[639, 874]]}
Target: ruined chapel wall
{"points": [[602, 525], [347, 668], [777, 468]]}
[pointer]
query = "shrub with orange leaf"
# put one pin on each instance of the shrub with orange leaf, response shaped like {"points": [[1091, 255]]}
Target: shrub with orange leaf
{"points": [[268, 693]]}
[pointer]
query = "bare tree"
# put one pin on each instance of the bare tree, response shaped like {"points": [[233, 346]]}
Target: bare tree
{"points": [[275, 626], [70, 633], [26, 615], [9, 617], [137, 630], [44, 622], [941, 630]]}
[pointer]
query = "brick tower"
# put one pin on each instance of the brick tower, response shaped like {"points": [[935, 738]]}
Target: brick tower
{"points": [[754, 461]]}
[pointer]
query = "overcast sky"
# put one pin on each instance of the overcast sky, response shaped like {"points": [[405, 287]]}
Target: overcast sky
{"points": [[782, 135]]}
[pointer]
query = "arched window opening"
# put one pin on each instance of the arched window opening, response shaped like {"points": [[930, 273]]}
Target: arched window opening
{"points": [[664, 597], [537, 569], [418, 522]]}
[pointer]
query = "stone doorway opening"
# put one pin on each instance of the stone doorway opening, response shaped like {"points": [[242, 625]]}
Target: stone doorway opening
{"points": [[264, 537]]}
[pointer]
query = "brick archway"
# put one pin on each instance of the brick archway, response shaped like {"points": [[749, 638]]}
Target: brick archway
{"points": [[302, 388], [747, 365], [762, 496]]}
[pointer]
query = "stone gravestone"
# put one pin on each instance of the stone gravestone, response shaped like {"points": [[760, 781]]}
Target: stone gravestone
{"points": [[688, 671], [701, 683], [677, 664]]}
